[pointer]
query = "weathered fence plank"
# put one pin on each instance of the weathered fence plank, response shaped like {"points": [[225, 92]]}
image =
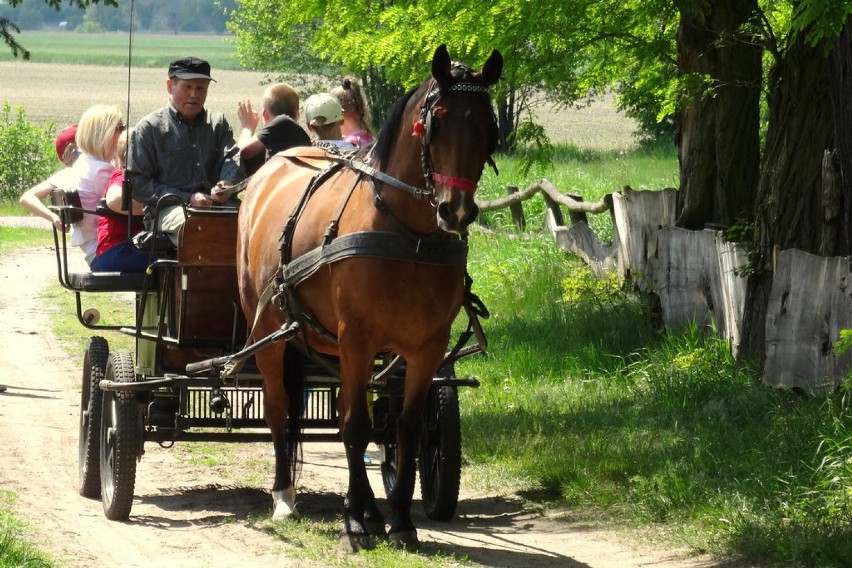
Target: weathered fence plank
{"points": [[810, 302], [638, 216], [694, 274], [730, 304], [681, 273]]}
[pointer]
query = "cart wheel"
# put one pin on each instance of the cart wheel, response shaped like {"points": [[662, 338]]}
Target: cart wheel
{"points": [[388, 467], [440, 454], [94, 368], [121, 440]]}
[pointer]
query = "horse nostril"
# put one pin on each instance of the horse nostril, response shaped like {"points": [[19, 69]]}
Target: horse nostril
{"points": [[444, 213], [471, 216]]}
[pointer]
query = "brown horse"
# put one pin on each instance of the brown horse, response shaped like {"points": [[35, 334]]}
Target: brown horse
{"points": [[413, 189]]}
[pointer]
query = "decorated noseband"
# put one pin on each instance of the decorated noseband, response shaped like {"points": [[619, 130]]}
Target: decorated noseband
{"points": [[423, 129]]}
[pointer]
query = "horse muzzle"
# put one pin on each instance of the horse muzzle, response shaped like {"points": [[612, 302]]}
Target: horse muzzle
{"points": [[456, 211]]}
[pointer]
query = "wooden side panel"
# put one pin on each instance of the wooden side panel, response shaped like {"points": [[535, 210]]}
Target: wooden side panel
{"points": [[209, 241]]}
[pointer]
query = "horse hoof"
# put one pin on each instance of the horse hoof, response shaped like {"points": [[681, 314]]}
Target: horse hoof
{"points": [[284, 505], [404, 540], [356, 542]]}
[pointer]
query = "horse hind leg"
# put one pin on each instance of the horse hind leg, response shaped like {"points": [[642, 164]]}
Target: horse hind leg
{"points": [[276, 404]]}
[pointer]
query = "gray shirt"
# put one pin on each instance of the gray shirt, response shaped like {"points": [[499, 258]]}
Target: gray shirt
{"points": [[170, 156]]}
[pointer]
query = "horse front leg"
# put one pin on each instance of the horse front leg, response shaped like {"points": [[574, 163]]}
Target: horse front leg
{"points": [[362, 520], [275, 406]]}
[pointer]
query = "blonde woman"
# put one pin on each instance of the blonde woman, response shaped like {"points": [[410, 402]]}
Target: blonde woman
{"points": [[356, 115], [97, 139]]}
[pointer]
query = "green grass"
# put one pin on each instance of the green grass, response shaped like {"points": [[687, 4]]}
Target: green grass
{"points": [[16, 548], [13, 238], [111, 48]]}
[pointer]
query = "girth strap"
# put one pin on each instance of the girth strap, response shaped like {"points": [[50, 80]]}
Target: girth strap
{"points": [[384, 245]]}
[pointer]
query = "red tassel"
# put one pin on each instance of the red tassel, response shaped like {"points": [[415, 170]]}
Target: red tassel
{"points": [[419, 128]]}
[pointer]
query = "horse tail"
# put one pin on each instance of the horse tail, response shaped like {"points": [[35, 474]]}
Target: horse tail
{"points": [[294, 384]]}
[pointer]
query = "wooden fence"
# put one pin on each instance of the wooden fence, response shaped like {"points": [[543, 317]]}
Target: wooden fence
{"points": [[694, 275]]}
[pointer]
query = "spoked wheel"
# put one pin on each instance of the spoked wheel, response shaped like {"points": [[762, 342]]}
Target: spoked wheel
{"points": [[94, 369], [440, 454], [121, 440]]}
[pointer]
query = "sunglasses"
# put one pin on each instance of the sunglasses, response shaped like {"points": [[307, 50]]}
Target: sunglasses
{"points": [[120, 128]]}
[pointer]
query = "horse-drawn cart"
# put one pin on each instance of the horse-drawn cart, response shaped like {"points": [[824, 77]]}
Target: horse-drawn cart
{"points": [[187, 313], [328, 302]]}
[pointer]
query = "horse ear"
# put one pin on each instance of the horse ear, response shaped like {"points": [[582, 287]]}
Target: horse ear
{"points": [[441, 65], [492, 69]]}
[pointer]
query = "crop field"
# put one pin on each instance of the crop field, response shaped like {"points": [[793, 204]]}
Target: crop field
{"points": [[51, 89]]}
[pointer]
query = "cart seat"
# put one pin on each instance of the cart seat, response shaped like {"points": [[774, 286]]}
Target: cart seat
{"points": [[106, 281]]}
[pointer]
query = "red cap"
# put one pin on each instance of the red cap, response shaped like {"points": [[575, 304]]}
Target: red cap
{"points": [[64, 138]]}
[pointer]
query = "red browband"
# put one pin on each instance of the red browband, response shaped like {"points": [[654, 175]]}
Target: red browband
{"points": [[463, 184]]}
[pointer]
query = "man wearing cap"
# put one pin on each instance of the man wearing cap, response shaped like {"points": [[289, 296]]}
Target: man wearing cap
{"points": [[324, 117], [182, 149]]}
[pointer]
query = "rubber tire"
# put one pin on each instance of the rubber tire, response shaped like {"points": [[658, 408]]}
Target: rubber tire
{"points": [[94, 370], [440, 454], [388, 467], [121, 440]]}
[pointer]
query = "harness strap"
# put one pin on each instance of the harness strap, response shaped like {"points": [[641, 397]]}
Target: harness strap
{"points": [[385, 178], [463, 184], [384, 245], [334, 225]]}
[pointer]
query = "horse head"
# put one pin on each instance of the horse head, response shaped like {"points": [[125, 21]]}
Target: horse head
{"points": [[450, 122]]}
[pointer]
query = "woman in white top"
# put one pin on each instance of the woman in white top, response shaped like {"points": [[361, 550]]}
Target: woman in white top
{"points": [[97, 139]]}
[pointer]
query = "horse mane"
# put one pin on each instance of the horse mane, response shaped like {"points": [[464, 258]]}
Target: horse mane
{"points": [[384, 143]]}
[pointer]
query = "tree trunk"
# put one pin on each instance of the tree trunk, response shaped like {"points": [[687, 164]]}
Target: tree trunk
{"points": [[696, 124], [718, 143], [506, 116], [840, 87], [737, 133], [791, 210], [381, 95]]}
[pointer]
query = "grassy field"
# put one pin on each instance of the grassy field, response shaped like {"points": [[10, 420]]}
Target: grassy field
{"points": [[113, 48], [68, 72]]}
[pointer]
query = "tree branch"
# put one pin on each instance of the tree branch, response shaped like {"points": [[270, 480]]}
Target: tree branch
{"points": [[545, 186]]}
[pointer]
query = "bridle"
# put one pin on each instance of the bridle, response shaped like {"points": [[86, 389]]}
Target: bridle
{"points": [[423, 128]]}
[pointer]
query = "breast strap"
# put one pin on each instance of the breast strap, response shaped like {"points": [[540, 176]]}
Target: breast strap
{"points": [[384, 245]]}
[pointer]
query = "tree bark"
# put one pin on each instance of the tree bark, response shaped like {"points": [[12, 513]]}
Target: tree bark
{"points": [[840, 88], [696, 123], [718, 135], [737, 133]]}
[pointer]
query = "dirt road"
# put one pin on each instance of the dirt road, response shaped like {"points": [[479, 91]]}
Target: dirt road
{"points": [[186, 515]]}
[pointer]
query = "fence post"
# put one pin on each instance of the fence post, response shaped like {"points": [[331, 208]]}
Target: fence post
{"points": [[554, 209], [577, 216], [517, 209]]}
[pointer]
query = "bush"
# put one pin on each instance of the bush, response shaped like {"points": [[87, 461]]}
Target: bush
{"points": [[27, 155]]}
